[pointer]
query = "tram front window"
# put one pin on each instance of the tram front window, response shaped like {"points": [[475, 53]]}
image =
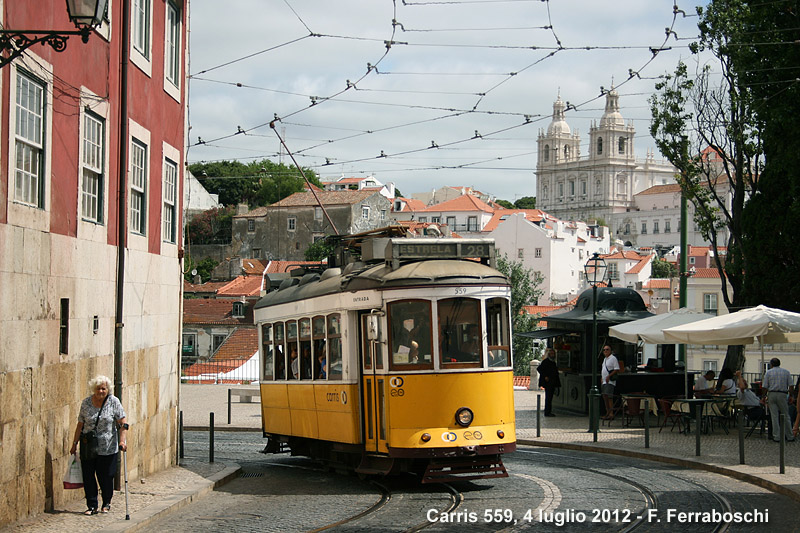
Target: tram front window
{"points": [[461, 340], [266, 352], [497, 330], [411, 335]]}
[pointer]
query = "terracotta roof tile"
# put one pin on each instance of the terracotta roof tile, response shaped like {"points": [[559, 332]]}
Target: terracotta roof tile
{"points": [[706, 273], [542, 310], [465, 202], [201, 311], [532, 215], [412, 204], [656, 283], [661, 189], [209, 287], [241, 286], [635, 269], [241, 344], [285, 266], [253, 267]]}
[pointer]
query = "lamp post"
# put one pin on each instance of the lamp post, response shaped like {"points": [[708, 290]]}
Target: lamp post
{"points": [[85, 14], [595, 271]]}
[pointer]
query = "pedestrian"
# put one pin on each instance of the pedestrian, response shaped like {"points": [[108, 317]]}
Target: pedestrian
{"points": [[776, 382], [702, 385], [101, 419], [608, 380], [549, 379]]}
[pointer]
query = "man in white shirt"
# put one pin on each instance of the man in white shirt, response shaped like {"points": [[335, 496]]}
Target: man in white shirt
{"points": [[777, 381], [608, 380], [702, 385]]}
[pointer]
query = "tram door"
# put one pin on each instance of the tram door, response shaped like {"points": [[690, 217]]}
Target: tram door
{"points": [[374, 385]]}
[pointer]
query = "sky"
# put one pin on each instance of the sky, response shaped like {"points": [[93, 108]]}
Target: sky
{"points": [[422, 93]]}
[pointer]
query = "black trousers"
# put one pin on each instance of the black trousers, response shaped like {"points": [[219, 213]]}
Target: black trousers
{"points": [[549, 391], [103, 468]]}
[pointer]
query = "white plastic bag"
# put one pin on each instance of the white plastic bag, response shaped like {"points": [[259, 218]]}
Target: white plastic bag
{"points": [[73, 479]]}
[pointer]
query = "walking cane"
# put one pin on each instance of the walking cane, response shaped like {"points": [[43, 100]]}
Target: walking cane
{"points": [[125, 468]]}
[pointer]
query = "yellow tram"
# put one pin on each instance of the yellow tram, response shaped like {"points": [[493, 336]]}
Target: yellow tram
{"points": [[400, 361]]}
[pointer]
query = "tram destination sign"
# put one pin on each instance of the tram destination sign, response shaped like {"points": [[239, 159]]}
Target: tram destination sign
{"points": [[400, 249]]}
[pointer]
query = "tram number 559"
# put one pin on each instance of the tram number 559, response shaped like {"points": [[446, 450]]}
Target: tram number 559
{"points": [[461, 290]]}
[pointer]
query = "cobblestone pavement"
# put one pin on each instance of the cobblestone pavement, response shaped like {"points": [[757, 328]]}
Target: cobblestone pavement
{"points": [[177, 486]]}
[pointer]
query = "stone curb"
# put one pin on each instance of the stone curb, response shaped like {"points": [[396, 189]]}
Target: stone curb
{"points": [[686, 463], [172, 503]]}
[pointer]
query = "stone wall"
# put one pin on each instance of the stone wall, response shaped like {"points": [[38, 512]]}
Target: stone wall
{"points": [[41, 388]]}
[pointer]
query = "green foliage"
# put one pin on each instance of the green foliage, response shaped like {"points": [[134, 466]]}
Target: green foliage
{"points": [[663, 269], [505, 203], [526, 202], [318, 251], [258, 183], [203, 267], [211, 227], [525, 283]]}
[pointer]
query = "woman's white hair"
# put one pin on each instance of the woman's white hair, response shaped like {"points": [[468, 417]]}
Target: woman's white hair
{"points": [[101, 380]]}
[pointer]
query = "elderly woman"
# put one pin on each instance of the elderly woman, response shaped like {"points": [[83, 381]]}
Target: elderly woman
{"points": [[101, 413]]}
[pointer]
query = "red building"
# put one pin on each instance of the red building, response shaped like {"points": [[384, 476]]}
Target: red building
{"points": [[91, 180]]}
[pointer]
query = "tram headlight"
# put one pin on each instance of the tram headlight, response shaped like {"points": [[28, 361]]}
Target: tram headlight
{"points": [[501, 434], [425, 437], [464, 416]]}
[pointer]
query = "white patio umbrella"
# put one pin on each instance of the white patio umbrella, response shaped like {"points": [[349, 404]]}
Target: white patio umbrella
{"points": [[651, 329], [762, 323]]}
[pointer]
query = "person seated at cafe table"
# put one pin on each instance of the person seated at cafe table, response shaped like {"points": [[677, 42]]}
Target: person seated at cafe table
{"points": [[725, 384], [754, 406], [702, 386]]}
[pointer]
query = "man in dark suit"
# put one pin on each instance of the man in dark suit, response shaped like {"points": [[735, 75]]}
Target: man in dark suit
{"points": [[548, 379]]}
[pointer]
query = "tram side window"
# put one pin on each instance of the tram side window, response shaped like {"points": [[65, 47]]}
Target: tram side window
{"points": [[334, 366], [498, 332], [266, 353], [460, 337], [280, 352], [291, 347], [305, 348], [319, 355], [410, 334]]}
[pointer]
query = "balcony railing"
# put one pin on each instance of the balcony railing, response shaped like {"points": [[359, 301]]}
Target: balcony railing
{"points": [[220, 371]]}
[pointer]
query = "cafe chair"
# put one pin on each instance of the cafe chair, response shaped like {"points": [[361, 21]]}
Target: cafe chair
{"points": [[633, 408], [665, 404]]}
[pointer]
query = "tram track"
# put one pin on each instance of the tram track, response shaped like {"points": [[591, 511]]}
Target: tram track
{"points": [[651, 499]]}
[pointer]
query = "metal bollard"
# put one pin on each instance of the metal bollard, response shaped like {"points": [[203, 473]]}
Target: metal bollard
{"points": [[698, 427], [229, 406], [740, 423], [647, 422], [595, 414], [211, 438], [538, 415], [180, 434], [782, 428]]}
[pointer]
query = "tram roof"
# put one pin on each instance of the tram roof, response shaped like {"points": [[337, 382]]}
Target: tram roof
{"points": [[383, 276]]}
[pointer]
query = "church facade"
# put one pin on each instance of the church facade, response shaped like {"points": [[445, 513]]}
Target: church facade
{"points": [[602, 184]]}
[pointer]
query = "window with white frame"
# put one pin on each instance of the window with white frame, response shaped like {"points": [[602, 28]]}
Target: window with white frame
{"points": [[710, 303], [436, 220], [138, 187], [644, 228], [291, 223], [423, 220], [251, 225], [317, 213], [472, 223], [365, 212], [172, 45], [140, 12], [451, 221], [29, 141], [613, 271], [93, 159], [170, 192], [655, 226], [383, 214], [709, 364], [666, 226]]}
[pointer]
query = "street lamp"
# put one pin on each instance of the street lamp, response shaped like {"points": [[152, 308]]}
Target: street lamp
{"points": [[595, 271], [85, 14]]}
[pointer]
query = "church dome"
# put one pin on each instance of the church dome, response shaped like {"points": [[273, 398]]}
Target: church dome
{"points": [[559, 125], [612, 116]]}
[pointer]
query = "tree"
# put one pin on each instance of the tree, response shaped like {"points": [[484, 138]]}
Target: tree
{"points": [[663, 269], [318, 250], [526, 202], [712, 136], [257, 183], [203, 267], [525, 290], [505, 203], [212, 226]]}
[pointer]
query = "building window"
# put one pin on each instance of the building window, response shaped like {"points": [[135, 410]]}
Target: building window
{"points": [[216, 342], [691, 260], [317, 213], [598, 188], [256, 253], [537, 253], [365, 212], [423, 220], [291, 223], [138, 187], [63, 333], [170, 188], [472, 223], [572, 187], [172, 45], [623, 144], [451, 221], [627, 229], [710, 303], [561, 190], [520, 253], [436, 220], [709, 364], [566, 152], [666, 226], [599, 145], [238, 310], [251, 225], [583, 187], [547, 152], [141, 26], [383, 214], [29, 141], [655, 226], [93, 159], [644, 228], [189, 344], [318, 237], [613, 271]]}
